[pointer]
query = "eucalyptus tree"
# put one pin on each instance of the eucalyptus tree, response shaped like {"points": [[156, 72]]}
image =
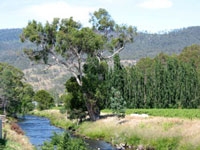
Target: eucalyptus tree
{"points": [[68, 43]]}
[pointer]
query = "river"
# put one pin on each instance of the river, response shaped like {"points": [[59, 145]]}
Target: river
{"points": [[39, 129]]}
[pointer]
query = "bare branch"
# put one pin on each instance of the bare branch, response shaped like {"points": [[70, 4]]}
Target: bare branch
{"points": [[68, 67], [116, 52]]}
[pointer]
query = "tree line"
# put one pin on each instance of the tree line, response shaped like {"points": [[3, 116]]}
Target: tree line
{"points": [[162, 82], [15, 94]]}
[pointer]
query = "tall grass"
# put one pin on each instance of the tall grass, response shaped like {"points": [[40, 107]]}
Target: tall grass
{"points": [[160, 133], [15, 141]]}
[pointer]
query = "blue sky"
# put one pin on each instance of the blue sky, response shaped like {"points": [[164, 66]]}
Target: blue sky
{"points": [[146, 15]]}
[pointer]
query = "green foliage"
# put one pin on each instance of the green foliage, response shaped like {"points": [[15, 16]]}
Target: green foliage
{"points": [[15, 95], [166, 143], [162, 82], [73, 100], [117, 103], [26, 97], [64, 142], [93, 88], [94, 80], [66, 42], [44, 99]]}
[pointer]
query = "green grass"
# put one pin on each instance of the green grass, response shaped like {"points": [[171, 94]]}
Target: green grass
{"points": [[179, 113]]}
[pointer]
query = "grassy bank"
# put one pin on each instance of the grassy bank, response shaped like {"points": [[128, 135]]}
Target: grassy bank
{"points": [[57, 119], [161, 133], [15, 141]]}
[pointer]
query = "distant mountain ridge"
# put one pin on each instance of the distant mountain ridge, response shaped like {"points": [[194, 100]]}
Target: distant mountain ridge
{"points": [[172, 42], [10, 34], [145, 44]]}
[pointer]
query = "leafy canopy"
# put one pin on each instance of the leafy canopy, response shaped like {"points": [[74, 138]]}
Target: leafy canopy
{"points": [[67, 42]]}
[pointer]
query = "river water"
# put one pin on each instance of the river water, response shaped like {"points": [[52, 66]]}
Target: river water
{"points": [[39, 129]]}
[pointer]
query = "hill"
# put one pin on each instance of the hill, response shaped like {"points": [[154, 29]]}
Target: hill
{"points": [[152, 44], [145, 44]]}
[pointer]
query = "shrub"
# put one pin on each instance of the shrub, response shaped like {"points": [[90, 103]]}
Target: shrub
{"points": [[64, 142]]}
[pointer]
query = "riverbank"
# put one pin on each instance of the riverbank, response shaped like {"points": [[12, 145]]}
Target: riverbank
{"points": [[153, 132], [15, 141]]}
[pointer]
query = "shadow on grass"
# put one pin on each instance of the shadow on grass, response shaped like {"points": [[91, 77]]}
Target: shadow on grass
{"points": [[2, 143], [103, 117]]}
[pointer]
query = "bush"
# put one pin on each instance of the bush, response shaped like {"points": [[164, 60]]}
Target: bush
{"points": [[64, 142]]}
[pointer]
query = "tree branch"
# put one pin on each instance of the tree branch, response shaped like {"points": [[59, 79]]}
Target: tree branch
{"points": [[116, 52]]}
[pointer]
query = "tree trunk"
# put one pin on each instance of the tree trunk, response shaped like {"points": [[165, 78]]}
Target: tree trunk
{"points": [[4, 107], [93, 110]]}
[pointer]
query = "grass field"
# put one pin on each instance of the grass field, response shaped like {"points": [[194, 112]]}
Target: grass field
{"points": [[179, 113]]}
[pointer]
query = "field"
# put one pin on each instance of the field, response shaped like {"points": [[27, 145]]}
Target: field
{"points": [[180, 113], [165, 129]]}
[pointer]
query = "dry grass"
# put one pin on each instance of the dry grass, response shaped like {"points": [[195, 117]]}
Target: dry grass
{"points": [[183, 134], [16, 141], [117, 131]]}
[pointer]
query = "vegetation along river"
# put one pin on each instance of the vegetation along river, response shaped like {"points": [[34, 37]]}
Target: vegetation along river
{"points": [[39, 129]]}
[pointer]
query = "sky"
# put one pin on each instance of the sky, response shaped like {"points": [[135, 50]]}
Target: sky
{"points": [[147, 15]]}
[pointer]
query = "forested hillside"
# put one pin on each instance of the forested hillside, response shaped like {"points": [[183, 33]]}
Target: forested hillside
{"points": [[145, 45], [152, 44], [11, 48]]}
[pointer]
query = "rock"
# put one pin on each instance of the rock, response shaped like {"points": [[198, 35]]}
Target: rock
{"points": [[140, 115], [121, 146]]}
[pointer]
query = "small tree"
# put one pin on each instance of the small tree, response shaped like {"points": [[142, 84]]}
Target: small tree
{"points": [[117, 103], [44, 99], [26, 97]]}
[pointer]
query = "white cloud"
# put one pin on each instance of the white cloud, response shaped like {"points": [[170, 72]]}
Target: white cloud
{"points": [[60, 9], [156, 4]]}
